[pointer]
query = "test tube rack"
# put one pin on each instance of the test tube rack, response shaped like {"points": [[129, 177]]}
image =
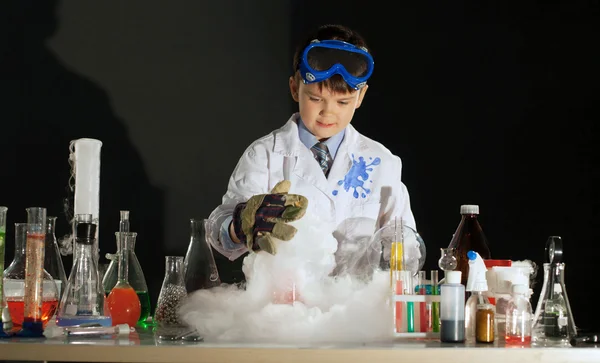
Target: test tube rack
{"points": [[415, 299]]}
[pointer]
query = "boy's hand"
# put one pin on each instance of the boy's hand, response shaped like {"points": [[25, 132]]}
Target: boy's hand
{"points": [[265, 216]]}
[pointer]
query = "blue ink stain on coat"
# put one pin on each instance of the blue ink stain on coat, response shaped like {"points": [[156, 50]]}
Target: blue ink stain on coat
{"points": [[357, 176]]}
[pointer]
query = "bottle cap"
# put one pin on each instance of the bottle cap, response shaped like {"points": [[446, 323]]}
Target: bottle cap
{"points": [[453, 277], [520, 289], [469, 209], [86, 233], [123, 329]]}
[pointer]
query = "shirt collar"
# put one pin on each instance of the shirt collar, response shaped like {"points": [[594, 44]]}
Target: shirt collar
{"points": [[309, 140]]}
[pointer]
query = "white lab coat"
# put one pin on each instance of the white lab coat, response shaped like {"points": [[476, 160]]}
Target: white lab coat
{"points": [[375, 193]]}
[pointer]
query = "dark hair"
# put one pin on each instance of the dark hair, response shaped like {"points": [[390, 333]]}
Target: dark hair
{"points": [[330, 32]]}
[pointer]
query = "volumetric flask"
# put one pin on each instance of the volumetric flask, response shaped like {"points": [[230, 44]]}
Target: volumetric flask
{"points": [[83, 299], [199, 264], [14, 283]]}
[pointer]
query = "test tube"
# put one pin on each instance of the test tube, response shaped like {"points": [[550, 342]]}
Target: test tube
{"points": [[423, 316], [34, 270], [396, 257], [3, 211], [435, 306], [409, 289]]}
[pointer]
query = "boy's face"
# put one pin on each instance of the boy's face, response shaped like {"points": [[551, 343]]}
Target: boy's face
{"points": [[325, 113]]}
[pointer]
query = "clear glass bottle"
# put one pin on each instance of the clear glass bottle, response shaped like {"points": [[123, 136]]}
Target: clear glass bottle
{"points": [[14, 283], [135, 275], [519, 317], [172, 293], [199, 263], [123, 302], [3, 307], [468, 236], [83, 299], [53, 263]]}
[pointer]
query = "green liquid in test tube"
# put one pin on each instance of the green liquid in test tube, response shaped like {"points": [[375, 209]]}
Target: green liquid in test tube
{"points": [[435, 311]]}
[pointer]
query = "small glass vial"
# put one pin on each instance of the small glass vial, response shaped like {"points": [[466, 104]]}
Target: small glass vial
{"points": [[484, 323], [519, 317]]}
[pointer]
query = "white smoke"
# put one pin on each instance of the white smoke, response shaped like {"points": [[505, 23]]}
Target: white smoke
{"points": [[292, 298]]}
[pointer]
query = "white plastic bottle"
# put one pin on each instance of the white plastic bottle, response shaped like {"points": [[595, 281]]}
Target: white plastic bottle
{"points": [[452, 309], [519, 317]]}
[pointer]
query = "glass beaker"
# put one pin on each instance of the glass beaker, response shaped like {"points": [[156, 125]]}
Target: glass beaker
{"points": [[199, 263], [172, 293], [122, 301], [52, 261], [3, 334], [14, 283], [83, 299], [553, 320], [447, 261], [135, 275]]}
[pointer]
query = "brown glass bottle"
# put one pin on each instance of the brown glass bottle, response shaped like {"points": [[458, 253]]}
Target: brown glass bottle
{"points": [[468, 236]]}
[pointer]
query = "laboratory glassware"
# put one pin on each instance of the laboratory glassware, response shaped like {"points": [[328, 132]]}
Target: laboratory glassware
{"points": [[413, 248], [447, 261], [83, 299], [79, 218], [553, 320], [8, 322], [452, 314], [519, 315], [172, 293], [122, 301], [468, 236], [14, 283], [199, 263], [33, 325], [53, 263], [135, 275]]}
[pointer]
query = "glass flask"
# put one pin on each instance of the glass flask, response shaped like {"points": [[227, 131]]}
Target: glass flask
{"points": [[199, 263], [172, 293], [8, 322], [447, 261], [122, 301], [386, 253], [53, 263], [83, 299], [14, 283], [468, 236], [135, 275]]}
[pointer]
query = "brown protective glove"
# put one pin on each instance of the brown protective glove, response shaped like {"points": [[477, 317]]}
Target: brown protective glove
{"points": [[265, 216]]}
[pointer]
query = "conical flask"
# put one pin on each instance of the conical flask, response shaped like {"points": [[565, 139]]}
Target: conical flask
{"points": [[83, 299], [135, 275], [172, 294], [199, 264], [52, 260], [123, 303], [553, 323]]}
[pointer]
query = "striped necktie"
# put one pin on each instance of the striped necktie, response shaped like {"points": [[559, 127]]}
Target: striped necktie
{"points": [[321, 154]]}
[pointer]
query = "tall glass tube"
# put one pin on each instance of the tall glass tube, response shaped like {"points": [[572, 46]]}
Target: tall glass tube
{"points": [[34, 272], [3, 211], [79, 218]]}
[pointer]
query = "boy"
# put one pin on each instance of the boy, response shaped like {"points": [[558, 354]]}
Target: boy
{"points": [[347, 180]]}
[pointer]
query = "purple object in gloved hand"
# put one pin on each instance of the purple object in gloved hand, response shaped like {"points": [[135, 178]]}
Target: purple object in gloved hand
{"points": [[265, 216]]}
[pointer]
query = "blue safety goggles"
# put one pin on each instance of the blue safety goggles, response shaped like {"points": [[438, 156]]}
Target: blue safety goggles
{"points": [[324, 58]]}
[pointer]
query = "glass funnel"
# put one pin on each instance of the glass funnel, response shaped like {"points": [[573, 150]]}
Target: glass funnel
{"points": [[14, 283], [172, 293], [135, 275], [199, 263], [53, 263]]}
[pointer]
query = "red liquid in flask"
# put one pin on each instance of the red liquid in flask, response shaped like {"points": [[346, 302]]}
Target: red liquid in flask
{"points": [[124, 306], [16, 308]]}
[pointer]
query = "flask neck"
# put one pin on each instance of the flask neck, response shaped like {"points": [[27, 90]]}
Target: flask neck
{"points": [[174, 270], [20, 240]]}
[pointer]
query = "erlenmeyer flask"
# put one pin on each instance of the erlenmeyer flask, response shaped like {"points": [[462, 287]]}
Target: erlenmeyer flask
{"points": [[199, 263], [172, 293], [553, 323], [83, 299], [123, 303], [14, 283], [52, 260], [135, 275]]}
